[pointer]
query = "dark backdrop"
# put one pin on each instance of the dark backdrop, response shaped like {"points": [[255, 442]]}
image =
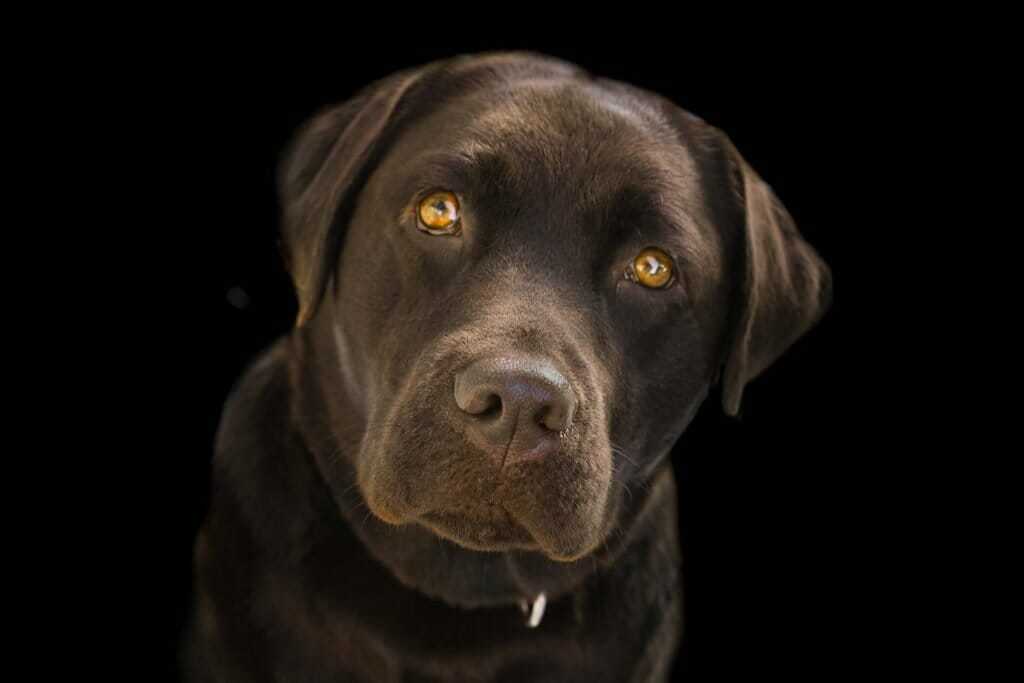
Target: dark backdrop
{"points": [[769, 575]]}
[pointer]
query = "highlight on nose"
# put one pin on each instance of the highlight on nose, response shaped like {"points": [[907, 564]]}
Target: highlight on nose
{"points": [[518, 397]]}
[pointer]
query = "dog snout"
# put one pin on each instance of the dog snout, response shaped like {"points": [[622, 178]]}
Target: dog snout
{"points": [[516, 403]]}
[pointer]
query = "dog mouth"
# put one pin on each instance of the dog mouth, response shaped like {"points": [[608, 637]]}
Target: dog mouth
{"points": [[463, 475], [490, 529]]}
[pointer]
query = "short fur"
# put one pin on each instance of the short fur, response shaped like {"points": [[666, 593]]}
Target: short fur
{"points": [[319, 559]]}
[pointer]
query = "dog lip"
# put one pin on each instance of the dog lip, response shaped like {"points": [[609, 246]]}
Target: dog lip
{"points": [[478, 534]]}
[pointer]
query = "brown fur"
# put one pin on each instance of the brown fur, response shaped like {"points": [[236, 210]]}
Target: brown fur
{"points": [[366, 534]]}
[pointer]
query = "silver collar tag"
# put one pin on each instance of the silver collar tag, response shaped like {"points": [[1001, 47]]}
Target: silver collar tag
{"points": [[534, 611]]}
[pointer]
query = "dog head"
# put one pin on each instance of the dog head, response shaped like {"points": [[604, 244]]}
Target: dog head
{"points": [[526, 279]]}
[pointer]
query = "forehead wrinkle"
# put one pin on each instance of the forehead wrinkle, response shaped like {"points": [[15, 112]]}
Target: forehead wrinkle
{"points": [[571, 145], [465, 167], [563, 105], [540, 132], [553, 116], [455, 161]]}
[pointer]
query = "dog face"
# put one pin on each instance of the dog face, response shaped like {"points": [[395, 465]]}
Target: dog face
{"points": [[529, 279]]}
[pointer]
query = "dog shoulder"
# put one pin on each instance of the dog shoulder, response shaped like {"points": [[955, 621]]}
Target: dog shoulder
{"points": [[257, 408], [254, 469]]}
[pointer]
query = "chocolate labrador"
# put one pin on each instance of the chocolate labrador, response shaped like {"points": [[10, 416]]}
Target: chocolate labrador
{"points": [[517, 282]]}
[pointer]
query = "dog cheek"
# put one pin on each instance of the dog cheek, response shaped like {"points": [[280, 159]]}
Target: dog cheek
{"points": [[381, 489], [386, 475], [579, 522], [403, 474]]}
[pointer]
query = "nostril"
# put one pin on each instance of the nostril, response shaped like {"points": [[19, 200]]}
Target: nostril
{"points": [[476, 400], [543, 418], [554, 417], [491, 407]]}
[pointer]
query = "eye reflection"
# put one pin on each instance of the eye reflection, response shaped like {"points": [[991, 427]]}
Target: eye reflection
{"points": [[653, 268], [439, 213]]}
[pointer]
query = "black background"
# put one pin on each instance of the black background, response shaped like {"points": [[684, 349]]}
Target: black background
{"points": [[771, 579]]}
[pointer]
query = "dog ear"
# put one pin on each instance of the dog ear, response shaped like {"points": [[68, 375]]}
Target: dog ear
{"points": [[785, 288], [320, 176]]}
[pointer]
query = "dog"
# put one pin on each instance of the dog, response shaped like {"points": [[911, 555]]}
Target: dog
{"points": [[517, 282]]}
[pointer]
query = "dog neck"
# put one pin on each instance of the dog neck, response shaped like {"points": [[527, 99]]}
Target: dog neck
{"points": [[331, 429]]}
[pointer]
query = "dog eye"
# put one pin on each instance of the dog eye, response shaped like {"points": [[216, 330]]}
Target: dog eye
{"points": [[652, 268], [439, 213]]}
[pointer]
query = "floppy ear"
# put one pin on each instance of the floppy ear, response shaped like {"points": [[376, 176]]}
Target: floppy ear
{"points": [[320, 176], [785, 289]]}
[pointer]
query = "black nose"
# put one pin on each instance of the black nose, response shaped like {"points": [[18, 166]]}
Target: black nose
{"points": [[515, 396]]}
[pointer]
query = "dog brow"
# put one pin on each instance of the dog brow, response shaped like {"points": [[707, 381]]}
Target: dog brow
{"points": [[471, 163]]}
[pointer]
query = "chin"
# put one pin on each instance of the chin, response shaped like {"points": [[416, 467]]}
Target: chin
{"points": [[499, 533]]}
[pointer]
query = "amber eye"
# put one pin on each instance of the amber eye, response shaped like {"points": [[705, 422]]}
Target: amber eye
{"points": [[439, 213], [653, 268]]}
